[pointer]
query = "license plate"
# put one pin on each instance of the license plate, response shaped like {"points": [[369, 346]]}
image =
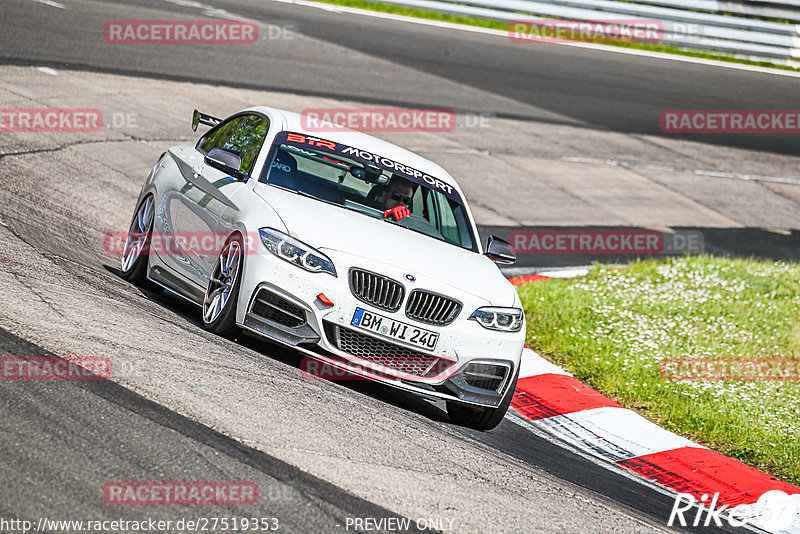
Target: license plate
{"points": [[396, 330]]}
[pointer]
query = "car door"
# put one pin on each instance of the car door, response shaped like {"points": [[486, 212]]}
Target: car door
{"points": [[203, 205]]}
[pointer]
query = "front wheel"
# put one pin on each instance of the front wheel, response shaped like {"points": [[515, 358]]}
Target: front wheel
{"points": [[219, 303], [482, 418]]}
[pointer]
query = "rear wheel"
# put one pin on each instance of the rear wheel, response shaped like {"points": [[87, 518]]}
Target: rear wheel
{"points": [[137, 244], [482, 418], [219, 303]]}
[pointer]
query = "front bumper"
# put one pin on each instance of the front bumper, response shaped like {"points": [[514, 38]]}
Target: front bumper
{"points": [[280, 302]]}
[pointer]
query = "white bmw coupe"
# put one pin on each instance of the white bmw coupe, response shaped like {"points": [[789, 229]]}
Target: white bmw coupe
{"points": [[359, 254]]}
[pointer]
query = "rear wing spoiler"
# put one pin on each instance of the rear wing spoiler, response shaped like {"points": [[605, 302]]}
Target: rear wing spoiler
{"points": [[202, 118]]}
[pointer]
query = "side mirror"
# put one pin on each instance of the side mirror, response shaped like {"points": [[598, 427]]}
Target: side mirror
{"points": [[227, 161], [500, 251]]}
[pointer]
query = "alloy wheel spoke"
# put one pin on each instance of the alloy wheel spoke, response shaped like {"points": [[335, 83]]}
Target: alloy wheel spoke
{"points": [[209, 314], [140, 220], [218, 305], [217, 291], [148, 215], [132, 251], [223, 265], [233, 257]]}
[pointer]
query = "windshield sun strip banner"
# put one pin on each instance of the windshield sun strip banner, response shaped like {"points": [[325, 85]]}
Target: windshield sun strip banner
{"points": [[364, 157]]}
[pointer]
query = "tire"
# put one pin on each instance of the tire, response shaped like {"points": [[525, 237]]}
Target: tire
{"points": [[222, 293], [137, 245], [482, 418]]}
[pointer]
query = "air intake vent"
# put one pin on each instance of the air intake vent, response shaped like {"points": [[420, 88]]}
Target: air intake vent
{"points": [[377, 290], [485, 376], [432, 308], [277, 309]]}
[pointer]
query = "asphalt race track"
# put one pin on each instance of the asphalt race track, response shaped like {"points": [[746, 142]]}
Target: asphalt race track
{"points": [[188, 405], [375, 60]]}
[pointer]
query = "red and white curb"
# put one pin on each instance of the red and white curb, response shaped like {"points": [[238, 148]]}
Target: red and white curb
{"points": [[550, 399], [569, 272], [554, 401]]}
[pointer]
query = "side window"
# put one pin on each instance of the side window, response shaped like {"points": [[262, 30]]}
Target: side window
{"points": [[463, 226], [418, 203], [448, 228], [219, 135], [247, 139], [244, 134], [430, 207]]}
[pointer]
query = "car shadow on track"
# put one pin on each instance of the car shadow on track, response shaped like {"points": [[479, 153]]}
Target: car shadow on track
{"points": [[190, 313], [398, 398]]}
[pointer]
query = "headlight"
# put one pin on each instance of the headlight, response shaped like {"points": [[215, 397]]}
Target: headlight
{"points": [[502, 319], [296, 252]]}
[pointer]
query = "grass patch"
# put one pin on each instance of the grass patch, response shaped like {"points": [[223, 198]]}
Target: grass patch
{"points": [[497, 25], [613, 328]]}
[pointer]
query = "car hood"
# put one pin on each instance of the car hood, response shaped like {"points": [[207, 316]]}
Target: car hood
{"points": [[325, 226]]}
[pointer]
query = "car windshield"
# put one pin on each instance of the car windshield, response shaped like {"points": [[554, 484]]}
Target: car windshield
{"points": [[370, 184]]}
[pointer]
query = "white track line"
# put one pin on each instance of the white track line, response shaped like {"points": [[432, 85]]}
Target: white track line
{"points": [[47, 70], [51, 3]]}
